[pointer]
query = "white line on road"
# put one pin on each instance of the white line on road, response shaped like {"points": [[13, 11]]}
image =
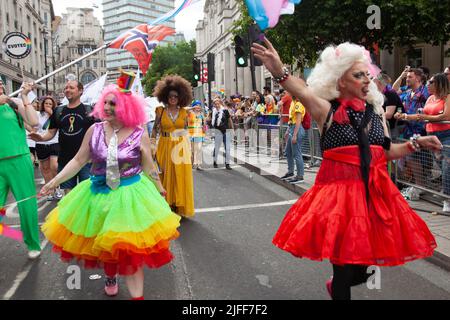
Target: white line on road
{"points": [[223, 168], [246, 206], [22, 275]]}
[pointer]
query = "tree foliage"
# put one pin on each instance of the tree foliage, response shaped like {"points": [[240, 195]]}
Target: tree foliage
{"points": [[176, 59], [316, 24]]}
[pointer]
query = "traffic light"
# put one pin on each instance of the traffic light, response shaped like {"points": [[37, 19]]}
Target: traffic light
{"points": [[241, 51], [256, 35], [196, 69]]}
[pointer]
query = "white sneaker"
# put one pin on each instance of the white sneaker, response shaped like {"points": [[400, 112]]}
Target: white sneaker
{"points": [[411, 193], [446, 207], [33, 254], [415, 194], [58, 194]]}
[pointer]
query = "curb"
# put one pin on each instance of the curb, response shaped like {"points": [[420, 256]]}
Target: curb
{"points": [[439, 259]]}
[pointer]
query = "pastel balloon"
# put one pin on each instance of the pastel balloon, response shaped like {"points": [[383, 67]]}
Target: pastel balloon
{"points": [[266, 13]]}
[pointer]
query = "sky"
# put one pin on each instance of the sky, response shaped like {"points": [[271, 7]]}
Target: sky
{"points": [[185, 22]]}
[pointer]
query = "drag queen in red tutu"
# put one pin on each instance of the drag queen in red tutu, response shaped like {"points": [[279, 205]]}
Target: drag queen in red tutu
{"points": [[353, 215]]}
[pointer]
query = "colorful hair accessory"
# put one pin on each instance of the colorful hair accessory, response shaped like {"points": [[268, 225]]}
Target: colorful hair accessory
{"points": [[337, 52], [373, 68], [125, 81], [196, 103]]}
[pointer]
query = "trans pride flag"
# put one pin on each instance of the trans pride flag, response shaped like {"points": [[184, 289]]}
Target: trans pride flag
{"points": [[266, 13], [169, 15]]}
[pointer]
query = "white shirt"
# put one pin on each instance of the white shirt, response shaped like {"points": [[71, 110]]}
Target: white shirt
{"points": [[44, 122]]}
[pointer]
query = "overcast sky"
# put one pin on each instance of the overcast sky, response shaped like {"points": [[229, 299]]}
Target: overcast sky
{"points": [[185, 22]]}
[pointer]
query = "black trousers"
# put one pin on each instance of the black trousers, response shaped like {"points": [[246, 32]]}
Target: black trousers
{"points": [[345, 277]]}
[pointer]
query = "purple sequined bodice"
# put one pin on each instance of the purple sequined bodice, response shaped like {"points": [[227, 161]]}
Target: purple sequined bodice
{"points": [[129, 152]]}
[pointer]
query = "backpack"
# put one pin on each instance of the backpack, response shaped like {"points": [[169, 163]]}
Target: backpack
{"points": [[306, 122], [58, 111]]}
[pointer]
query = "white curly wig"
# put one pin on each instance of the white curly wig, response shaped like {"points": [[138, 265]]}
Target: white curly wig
{"points": [[332, 64]]}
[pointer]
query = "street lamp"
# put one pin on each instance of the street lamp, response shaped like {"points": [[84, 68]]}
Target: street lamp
{"points": [[45, 33]]}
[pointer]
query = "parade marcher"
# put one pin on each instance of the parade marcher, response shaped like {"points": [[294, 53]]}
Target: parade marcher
{"points": [[196, 126], [294, 137], [118, 219], [71, 122], [174, 151], [223, 125], [16, 168], [437, 108], [47, 151], [353, 215]]}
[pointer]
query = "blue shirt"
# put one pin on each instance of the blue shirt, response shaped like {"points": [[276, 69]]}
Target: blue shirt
{"points": [[414, 101]]}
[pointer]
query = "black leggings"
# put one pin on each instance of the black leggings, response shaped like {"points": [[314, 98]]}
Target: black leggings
{"points": [[346, 276]]}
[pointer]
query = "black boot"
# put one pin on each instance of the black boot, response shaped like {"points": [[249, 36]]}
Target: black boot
{"points": [[215, 165], [227, 166]]}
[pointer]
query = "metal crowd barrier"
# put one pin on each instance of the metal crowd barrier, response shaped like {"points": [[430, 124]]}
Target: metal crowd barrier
{"points": [[422, 170]]}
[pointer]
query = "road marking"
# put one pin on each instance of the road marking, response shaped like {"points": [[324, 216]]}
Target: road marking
{"points": [[246, 206], [23, 275], [214, 169]]}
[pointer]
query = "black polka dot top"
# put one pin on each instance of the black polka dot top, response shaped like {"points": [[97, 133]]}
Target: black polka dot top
{"points": [[340, 135]]}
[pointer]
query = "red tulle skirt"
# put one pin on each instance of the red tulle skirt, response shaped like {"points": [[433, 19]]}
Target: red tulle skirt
{"points": [[334, 221]]}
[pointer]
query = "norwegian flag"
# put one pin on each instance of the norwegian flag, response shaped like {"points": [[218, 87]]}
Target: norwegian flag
{"points": [[141, 41]]}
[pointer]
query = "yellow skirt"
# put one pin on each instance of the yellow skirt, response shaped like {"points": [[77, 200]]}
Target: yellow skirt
{"points": [[174, 160]]}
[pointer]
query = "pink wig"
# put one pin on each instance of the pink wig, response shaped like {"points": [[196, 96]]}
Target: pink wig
{"points": [[129, 108]]}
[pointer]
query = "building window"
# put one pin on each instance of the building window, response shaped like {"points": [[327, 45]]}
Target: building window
{"points": [[88, 77], [95, 63]]}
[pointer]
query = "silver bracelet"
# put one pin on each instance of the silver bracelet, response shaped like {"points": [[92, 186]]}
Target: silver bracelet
{"points": [[283, 77], [414, 142]]}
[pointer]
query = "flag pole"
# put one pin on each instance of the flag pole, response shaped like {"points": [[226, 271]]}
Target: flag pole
{"points": [[106, 45]]}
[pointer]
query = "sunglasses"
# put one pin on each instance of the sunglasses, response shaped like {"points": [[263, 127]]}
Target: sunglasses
{"points": [[173, 96], [430, 81]]}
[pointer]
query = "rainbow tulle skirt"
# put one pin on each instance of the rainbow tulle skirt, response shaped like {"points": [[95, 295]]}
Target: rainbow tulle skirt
{"points": [[129, 227]]}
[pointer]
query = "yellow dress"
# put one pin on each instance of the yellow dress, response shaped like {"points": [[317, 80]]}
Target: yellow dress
{"points": [[174, 159]]}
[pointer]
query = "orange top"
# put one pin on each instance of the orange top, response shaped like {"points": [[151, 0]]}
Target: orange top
{"points": [[434, 107]]}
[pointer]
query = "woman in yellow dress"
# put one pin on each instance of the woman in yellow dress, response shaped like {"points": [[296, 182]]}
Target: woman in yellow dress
{"points": [[173, 153]]}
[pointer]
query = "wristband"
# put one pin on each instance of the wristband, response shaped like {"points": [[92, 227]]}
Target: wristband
{"points": [[283, 78], [413, 145]]}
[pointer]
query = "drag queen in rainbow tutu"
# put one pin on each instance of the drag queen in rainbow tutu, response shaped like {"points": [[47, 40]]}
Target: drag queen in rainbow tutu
{"points": [[118, 219]]}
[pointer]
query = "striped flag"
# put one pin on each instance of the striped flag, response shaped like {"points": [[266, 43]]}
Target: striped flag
{"points": [[169, 15], [141, 41]]}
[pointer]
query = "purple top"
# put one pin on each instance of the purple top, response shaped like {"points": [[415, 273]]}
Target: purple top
{"points": [[129, 152]]}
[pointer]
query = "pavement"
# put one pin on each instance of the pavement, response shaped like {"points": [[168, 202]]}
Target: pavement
{"points": [[268, 165]]}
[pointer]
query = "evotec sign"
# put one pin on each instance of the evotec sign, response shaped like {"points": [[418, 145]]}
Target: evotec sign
{"points": [[16, 45]]}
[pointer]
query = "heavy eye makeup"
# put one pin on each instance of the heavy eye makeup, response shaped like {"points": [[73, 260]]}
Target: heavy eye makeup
{"points": [[361, 74]]}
